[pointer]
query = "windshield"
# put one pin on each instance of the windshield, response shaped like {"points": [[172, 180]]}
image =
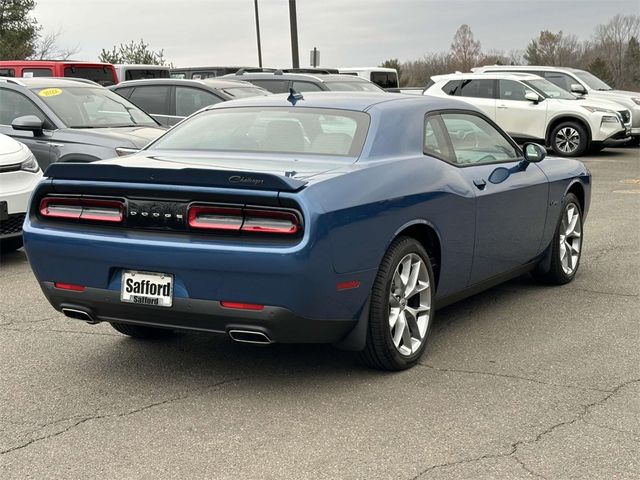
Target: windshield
{"points": [[312, 131], [591, 80], [548, 89], [243, 92], [92, 107], [352, 86]]}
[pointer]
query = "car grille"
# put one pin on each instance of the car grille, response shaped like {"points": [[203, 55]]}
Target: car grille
{"points": [[626, 116], [12, 225]]}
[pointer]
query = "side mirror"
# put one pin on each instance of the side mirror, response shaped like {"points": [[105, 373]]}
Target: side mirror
{"points": [[533, 152], [579, 89], [28, 123], [532, 97]]}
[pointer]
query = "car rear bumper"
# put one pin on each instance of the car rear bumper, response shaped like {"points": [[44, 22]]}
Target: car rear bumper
{"points": [[276, 323]]}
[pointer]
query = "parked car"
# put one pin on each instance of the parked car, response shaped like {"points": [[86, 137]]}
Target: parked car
{"points": [[344, 218], [580, 82], [281, 82], [19, 174], [138, 71], [101, 73], [170, 100], [531, 108], [383, 77], [200, 73], [63, 120]]}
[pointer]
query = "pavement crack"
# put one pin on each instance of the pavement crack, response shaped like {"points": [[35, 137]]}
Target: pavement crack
{"points": [[513, 377], [82, 420], [513, 449]]}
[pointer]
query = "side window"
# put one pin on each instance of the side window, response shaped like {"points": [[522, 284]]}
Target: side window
{"points": [[562, 80], [151, 99], [477, 88], [14, 105], [190, 100], [435, 139], [7, 72], [274, 86], [36, 72], [475, 141], [305, 87], [124, 92], [452, 87], [512, 90]]}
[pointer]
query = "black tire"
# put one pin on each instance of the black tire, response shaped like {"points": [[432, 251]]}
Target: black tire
{"points": [[554, 273], [380, 351], [582, 141], [10, 244], [142, 332]]}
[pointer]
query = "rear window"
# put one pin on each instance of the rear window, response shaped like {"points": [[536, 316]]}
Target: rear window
{"points": [[294, 130], [347, 86], [141, 74], [36, 72], [101, 75], [385, 79], [274, 86], [243, 92]]}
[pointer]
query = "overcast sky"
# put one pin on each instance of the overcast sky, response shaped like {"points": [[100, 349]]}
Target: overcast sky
{"points": [[347, 32]]}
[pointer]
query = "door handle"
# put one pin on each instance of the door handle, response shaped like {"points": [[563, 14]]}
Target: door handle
{"points": [[480, 183], [502, 107]]}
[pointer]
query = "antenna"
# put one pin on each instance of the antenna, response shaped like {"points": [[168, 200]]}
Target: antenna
{"points": [[294, 96]]}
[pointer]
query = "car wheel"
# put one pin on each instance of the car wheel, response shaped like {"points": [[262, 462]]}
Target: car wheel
{"points": [[400, 315], [10, 244], [140, 331], [569, 139], [566, 247]]}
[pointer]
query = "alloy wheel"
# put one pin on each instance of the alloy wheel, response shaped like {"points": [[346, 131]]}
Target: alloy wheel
{"points": [[570, 239], [409, 304], [568, 139]]}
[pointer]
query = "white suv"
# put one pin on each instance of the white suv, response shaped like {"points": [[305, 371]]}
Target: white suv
{"points": [[531, 108], [579, 82], [19, 175]]}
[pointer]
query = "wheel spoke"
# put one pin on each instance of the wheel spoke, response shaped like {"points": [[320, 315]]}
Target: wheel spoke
{"points": [[394, 314], [413, 279], [400, 327], [406, 337]]}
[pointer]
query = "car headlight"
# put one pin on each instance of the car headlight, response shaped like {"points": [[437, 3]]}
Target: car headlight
{"points": [[124, 151], [636, 100], [610, 119], [598, 109], [30, 164]]}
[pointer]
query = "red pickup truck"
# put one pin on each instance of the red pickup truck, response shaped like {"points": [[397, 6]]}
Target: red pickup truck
{"points": [[102, 73]]}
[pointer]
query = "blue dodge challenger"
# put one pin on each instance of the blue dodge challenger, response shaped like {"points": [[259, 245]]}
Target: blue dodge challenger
{"points": [[329, 218]]}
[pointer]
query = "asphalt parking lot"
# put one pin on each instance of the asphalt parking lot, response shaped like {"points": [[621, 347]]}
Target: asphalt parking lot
{"points": [[522, 381]]}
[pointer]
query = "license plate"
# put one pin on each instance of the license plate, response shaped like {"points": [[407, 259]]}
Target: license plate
{"points": [[4, 211], [147, 288]]}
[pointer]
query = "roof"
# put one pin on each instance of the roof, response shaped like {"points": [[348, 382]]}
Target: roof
{"points": [[487, 75], [141, 66], [35, 63], [49, 82], [525, 67], [366, 69], [217, 82], [279, 75], [358, 101]]}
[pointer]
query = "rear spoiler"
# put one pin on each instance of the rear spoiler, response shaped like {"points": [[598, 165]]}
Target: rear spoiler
{"points": [[198, 177]]}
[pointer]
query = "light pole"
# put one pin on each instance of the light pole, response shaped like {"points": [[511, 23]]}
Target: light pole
{"points": [[294, 34], [255, 3]]}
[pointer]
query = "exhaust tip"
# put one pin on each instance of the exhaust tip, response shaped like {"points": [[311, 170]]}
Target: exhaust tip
{"points": [[79, 315], [249, 336]]}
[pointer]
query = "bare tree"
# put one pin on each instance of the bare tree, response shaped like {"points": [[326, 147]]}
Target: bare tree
{"points": [[417, 73], [611, 41], [465, 50], [48, 48]]}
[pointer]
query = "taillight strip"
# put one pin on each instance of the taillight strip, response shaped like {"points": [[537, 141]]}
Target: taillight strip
{"points": [[248, 219], [79, 208]]}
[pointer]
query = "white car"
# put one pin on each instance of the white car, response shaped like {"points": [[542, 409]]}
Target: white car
{"points": [[531, 108], [579, 82], [19, 175]]}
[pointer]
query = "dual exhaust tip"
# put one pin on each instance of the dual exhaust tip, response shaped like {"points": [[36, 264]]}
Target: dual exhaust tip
{"points": [[242, 336]]}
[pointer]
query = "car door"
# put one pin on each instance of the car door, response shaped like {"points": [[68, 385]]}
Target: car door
{"points": [[480, 93], [511, 196], [519, 117], [14, 104], [154, 100], [189, 100]]}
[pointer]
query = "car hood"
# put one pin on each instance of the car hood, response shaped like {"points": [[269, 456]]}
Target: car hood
{"points": [[290, 167], [621, 96], [598, 102], [11, 151], [134, 137]]}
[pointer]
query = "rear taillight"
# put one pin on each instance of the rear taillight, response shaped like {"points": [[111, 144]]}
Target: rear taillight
{"points": [[78, 208], [251, 219]]}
